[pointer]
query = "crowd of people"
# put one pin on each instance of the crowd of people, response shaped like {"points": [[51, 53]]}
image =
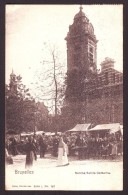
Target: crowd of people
{"points": [[33, 145], [86, 146], [82, 145]]}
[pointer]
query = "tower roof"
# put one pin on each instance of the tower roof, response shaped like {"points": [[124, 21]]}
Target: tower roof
{"points": [[12, 73], [81, 25], [80, 14]]}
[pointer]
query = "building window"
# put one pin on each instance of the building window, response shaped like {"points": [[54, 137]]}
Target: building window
{"points": [[91, 50], [106, 78], [113, 77], [91, 57]]}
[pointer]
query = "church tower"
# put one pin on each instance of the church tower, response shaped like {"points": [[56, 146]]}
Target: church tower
{"points": [[81, 55], [81, 44], [81, 63], [13, 84]]}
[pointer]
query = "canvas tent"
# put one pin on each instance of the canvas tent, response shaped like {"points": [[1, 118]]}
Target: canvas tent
{"points": [[112, 128], [80, 127]]}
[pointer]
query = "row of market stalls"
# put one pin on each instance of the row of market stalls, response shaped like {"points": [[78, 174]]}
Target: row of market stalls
{"points": [[38, 133], [23, 135], [101, 130]]}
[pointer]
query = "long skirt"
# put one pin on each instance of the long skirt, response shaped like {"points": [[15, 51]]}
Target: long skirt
{"points": [[114, 149], [29, 159], [67, 150], [62, 157]]}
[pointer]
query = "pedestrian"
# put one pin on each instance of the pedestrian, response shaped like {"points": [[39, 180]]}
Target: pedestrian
{"points": [[43, 147], [114, 149], [8, 158], [55, 146], [30, 151], [35, 144], [85, 150], [80, 146], [105, 147], [67, 149], [62, 153], [13, 146]]}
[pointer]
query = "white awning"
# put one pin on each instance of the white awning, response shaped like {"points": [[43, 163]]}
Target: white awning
{"points": [[80, 127], [32, 133], [49, 133], [39, 132], [113, 127]]}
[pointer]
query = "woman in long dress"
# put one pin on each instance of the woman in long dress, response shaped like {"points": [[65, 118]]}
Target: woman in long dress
{"points": [[30, 151], [114, 150], [62, 154]]}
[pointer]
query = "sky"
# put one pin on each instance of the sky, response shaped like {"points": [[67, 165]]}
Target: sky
{"points": [[28, 27]]}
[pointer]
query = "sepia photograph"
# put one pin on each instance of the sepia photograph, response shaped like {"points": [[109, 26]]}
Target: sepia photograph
{"points": [[64, 97]]}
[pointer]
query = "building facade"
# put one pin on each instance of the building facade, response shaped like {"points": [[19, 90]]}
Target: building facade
{"points": [[91, 96]]}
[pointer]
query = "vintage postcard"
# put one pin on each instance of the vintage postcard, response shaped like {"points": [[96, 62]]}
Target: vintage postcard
{"points": [[64, 97]]}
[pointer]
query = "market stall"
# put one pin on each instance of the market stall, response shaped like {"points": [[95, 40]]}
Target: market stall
{"points": [[80, 128], [105, 129]]}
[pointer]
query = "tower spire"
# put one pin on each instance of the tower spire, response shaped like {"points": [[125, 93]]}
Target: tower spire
{"points": [[81, 7], [12, 72]]}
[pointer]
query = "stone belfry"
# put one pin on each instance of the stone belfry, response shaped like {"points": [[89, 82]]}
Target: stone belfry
{"points": [[81, 44], [81, 55]]}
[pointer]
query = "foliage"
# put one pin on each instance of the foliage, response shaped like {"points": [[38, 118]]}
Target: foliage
{"points": [[21, 108]]}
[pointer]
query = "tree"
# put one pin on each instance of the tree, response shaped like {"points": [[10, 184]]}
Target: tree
{"points": [[49, 79], [21, 108], [49, 83]]}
